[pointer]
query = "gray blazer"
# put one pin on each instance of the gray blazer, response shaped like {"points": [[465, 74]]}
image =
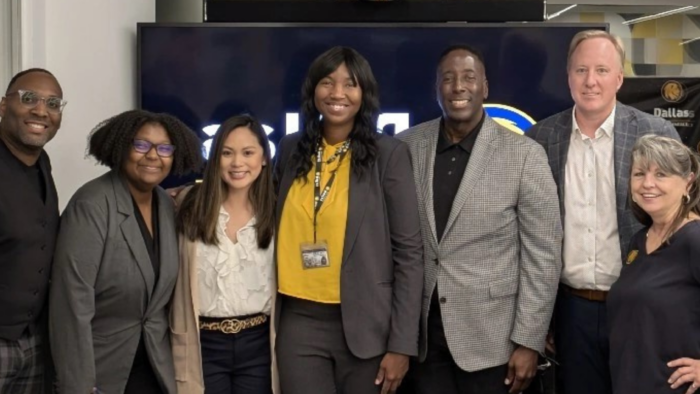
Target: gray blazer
{"points": [[382, 269], [103, 295], [499, 260], [554, 134]]}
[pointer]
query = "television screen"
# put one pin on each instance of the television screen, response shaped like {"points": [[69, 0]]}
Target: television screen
{"points": [[204, 73]]}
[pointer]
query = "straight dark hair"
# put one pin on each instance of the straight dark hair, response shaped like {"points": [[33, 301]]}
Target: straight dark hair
{"points": [[363, 134], [198, 216]]}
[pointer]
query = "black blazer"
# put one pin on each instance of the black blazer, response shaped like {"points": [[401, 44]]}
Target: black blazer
{"points": [[381, 278]]}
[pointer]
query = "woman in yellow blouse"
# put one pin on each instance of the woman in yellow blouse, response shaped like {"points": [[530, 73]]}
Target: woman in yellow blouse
{"points": [[349, 252]]}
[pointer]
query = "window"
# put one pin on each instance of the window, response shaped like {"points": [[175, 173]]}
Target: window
{"points": [[9, 40]]}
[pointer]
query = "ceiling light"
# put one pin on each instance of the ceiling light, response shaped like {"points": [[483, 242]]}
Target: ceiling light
{"points": [[660, 15]]}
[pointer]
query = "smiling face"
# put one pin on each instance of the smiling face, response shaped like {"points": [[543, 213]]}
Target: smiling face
{"points": [[29, 129], [658, 193], [242, 159], [145, 171], [595, 76], [338, 98], [461, 87]]}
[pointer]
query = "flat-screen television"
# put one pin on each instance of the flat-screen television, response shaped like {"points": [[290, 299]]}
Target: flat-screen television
{"points": [[205, 73]]}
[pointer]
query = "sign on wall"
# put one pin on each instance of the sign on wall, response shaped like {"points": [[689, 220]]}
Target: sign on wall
{"points": [[674, 99]]}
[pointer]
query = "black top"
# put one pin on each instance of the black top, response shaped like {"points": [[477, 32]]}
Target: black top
{"points": [[141, 364], [151, 241], [28, 228], [451, 161], [654, 312]]}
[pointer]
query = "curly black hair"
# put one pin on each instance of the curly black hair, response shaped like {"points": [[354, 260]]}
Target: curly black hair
{"points": [[364, 132], [111, 141]]}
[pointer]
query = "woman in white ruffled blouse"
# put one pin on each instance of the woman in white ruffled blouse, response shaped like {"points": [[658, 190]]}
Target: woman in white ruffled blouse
{"points": [[226, 285]]}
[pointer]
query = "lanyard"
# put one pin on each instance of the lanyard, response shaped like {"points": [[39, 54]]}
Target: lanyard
{"points": [[320, 196]]}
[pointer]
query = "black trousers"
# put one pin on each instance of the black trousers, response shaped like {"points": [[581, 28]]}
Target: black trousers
{"points": [[237, 363], [440, 374], [313, 356], [583, 351], [142, 378]]}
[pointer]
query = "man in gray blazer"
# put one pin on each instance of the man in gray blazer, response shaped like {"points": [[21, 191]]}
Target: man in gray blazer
{"points": [[589, 148], [492, 234]]}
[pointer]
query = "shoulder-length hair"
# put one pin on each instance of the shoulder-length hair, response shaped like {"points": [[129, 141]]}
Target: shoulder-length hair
{"points": [[198, 215], [363, 134], [673, 158]]}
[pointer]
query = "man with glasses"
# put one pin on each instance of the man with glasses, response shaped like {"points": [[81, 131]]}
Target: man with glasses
{"points": [[30, 116]]}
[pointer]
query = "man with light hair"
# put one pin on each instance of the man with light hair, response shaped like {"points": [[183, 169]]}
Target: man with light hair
{"points": [[589, 149]]}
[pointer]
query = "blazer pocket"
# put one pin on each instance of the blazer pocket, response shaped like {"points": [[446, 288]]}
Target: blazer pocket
{"points": [[179, 346], [503, 287], [386, 283]]}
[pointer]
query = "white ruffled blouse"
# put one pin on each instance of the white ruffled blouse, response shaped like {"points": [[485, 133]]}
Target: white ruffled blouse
{"points": [[235, 279]]}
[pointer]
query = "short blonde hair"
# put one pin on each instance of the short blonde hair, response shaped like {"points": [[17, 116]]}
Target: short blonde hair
{"points": [[587, 35]]}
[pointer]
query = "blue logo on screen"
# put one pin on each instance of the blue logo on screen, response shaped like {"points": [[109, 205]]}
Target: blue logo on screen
{"points": [[509, 117]]}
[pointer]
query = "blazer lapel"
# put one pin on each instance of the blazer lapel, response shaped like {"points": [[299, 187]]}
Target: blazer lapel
{"points": [[359, 187], [132, 233], [425, 163], [623, 143], [167, 248], [284, 186], [558, 149], [478, 162]]}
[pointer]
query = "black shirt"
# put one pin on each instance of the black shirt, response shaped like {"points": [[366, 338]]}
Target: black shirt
{"points": [[141, 364], [451, 161], [654, 313], [151, 241], [28, 228]]}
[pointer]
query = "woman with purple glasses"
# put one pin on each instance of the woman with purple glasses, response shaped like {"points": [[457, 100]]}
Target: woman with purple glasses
{"points": [[116, 260]]}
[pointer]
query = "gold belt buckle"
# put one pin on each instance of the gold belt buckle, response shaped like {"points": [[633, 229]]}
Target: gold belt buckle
{"points": [[231, 326]]}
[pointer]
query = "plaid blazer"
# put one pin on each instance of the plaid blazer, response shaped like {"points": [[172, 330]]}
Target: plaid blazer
{"points": [[498, 262], [554, 134]]}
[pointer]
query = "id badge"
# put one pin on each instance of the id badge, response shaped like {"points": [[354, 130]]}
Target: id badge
{"points": [[315, 255]]}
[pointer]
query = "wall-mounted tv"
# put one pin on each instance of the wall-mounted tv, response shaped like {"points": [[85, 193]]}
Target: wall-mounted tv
{"points": [[204, 73]]}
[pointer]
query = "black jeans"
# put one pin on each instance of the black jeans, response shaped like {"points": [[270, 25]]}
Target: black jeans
{"points": [[237, 363]]}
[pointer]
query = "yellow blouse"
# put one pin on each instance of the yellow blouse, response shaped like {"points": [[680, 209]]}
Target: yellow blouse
{"points": [[297, 228]]}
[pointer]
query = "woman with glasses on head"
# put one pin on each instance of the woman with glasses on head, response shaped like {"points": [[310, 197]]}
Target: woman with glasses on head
{"points": [[654, 306], [224, 293], [116, 260], [349, 250]]}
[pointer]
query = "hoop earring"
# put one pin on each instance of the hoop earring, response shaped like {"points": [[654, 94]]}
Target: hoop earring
{"points": [[686, 199]]}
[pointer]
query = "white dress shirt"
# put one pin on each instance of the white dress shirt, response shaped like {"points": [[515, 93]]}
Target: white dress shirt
{"points": [[235, 279], [591, 242]]}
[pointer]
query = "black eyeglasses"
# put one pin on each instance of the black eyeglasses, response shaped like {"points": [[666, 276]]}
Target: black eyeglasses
{"points": [[163, 150], [31, 99]]}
